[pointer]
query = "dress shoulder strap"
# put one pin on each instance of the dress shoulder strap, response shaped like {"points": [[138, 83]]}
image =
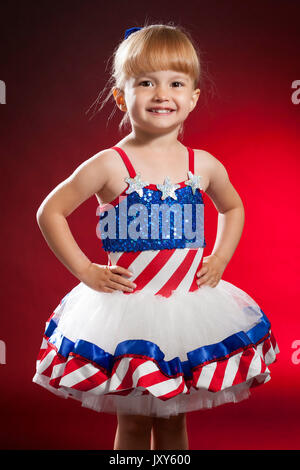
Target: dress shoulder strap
{"points": [[131, 170], [191, 159], [126, 161]]}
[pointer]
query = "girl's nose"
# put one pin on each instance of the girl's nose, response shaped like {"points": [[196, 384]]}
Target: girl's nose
{"points": [[161, 93]]}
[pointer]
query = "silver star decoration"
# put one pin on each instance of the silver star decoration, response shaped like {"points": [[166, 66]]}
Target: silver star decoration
{"points": [[135, 184], [168, 189], [193, 181]]}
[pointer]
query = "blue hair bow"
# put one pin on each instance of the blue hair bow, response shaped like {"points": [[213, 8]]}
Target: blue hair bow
{"points": [[130, 31]]}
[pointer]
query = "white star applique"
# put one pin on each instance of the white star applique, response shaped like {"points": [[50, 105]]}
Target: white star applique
{"points": [[193, 181], [168, 189], [135, 184]]}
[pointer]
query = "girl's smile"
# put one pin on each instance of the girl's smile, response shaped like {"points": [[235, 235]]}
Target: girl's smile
{"points": [[161, 112]]}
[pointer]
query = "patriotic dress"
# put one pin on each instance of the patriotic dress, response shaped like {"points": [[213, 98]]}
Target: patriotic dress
{"points": [[169, 346]]}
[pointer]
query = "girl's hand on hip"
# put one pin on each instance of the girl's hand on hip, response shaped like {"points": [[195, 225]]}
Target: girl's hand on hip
{"points": [[104, 278], [211, 271]]}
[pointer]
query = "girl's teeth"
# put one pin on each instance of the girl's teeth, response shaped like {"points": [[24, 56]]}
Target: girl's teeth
{"points": [[161, 112]]}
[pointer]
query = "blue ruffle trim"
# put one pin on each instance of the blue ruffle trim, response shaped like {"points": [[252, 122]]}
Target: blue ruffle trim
{"points": [[199, 356]]}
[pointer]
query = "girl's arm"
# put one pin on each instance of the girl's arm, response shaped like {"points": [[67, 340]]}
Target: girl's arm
{"points": [[84, 182], [231, 211]]}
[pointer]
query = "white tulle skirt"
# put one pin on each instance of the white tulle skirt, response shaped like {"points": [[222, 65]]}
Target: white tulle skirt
{"points": [[151, 355]]}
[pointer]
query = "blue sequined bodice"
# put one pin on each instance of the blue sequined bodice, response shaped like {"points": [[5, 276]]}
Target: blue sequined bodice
{"points": [[151, 219]]}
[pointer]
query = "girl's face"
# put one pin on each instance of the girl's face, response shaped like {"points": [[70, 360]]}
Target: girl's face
{"points": [[166, 89]]}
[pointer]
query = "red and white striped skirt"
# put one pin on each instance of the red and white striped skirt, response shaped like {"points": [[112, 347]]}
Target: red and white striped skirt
{"points": [[168, 347]]}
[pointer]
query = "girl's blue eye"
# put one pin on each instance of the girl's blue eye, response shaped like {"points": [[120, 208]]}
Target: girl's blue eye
{"points": [[148, 81]]}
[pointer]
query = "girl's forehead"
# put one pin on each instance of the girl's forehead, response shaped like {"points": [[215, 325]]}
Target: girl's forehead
{"points": [[163, 73]]}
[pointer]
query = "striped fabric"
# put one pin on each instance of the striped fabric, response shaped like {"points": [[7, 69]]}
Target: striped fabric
{"points": [[80, 368], [137, 367], [161, 272]]}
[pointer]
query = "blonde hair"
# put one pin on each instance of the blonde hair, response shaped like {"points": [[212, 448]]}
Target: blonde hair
{"points": [[153, 47]]}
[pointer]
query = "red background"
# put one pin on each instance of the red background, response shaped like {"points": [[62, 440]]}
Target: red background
{"points": [[53, 58]]}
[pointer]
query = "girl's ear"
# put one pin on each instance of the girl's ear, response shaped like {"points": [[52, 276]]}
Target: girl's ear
{"points": [[195, 97], [118, 96], [115, 92]]}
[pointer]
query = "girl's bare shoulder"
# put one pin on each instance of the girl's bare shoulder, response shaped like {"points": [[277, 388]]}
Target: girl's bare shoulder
{"points": [[206, 159], [209, 167], [213, 169], [219, 187], [104, 159], [86, 180], [110, 171], [98, 168]]}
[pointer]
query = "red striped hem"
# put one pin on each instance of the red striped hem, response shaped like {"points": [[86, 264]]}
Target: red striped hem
{"points": [[75, 362]]}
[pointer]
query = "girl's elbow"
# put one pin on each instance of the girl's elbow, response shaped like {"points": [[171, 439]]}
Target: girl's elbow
{"points": [[42, 214], [38, 214]]}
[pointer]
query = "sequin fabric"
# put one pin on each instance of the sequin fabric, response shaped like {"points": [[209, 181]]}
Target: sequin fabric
{"points": [[150, 223]]}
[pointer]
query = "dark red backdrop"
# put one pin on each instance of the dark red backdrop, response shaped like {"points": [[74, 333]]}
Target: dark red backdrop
{"points": [[53, 61]]}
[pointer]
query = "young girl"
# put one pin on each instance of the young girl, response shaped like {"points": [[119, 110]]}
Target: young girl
{"points": [[156, 332]]}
